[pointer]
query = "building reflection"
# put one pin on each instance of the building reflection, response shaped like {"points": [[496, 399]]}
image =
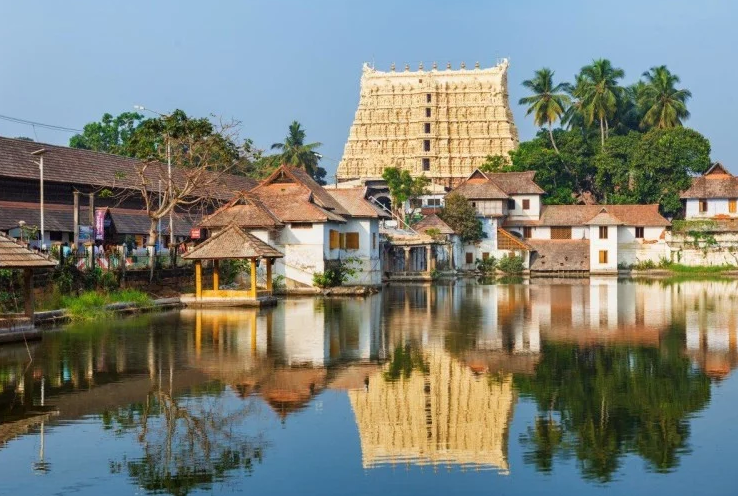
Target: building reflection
{"points": [[433, 372]]}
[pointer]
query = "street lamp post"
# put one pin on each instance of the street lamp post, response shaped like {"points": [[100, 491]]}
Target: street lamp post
{"points": [[40, 163], [169, 174]]}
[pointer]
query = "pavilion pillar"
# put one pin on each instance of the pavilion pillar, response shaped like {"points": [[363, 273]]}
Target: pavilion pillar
{"points": [[28, 293], [198, 332], [269, 273], [75, 216], [216, 275], [407, 258], [198, 278], [253, 278], [253, 333]]}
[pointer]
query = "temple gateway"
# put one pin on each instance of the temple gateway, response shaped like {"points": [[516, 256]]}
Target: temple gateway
{"points": [[440, 123]]}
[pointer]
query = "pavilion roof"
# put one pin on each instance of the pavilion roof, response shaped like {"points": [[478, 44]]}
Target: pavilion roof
{"points": [[232, 243], [15, 256]]}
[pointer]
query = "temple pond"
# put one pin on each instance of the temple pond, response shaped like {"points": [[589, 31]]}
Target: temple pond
{"points": [[552, 387]]}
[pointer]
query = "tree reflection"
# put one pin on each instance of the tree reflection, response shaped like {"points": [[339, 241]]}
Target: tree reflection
{"points": [[600, 403], [187, 443]]}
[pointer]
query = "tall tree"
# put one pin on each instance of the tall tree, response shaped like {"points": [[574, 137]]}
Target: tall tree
{"points": [[403, 187], [294, 152], [548, 101], [110, 135], [600, 93], [664, 105], [461, 216]]}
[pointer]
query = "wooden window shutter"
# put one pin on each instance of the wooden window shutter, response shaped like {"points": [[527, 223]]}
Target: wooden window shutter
{"points": [[732, 206], [352, 241], [334, 239], [469, 257], [561, 232], [603, 256], [342, 241]]}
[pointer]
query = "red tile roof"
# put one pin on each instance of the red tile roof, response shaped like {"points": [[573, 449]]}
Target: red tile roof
{"points": [[246, 210], [579, 215], [717, 182], [232, 243], [15, 256], [433, 221], [354, 201]]}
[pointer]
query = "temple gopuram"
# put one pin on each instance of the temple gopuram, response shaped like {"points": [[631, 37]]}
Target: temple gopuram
{"points": [[440, 123]]}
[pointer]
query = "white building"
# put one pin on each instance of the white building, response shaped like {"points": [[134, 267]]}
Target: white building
{"points": [[309, 225]]}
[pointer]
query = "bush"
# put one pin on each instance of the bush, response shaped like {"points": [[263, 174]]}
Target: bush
{"points": [[644, 265], [511, 265], [337, 275], [486, 265]]}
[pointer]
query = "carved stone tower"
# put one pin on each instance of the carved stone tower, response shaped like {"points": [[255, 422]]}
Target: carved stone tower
{"points": [[441, 123]]}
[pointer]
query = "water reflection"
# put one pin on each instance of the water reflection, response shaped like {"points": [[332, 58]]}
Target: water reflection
{"points": [[433, 375]]}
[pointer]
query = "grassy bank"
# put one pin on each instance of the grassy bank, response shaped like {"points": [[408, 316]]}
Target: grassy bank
{"points": [[92, 304], [700, 269]]}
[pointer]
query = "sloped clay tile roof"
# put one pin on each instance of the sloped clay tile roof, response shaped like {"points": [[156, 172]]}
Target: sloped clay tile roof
{"points": [[61, 218], [15, 256], [516, 183], [432, 221], [717, 182], [604, 218], [552, 255], [579, 215], [354, 201], [291, 202], [479, 187], [232, 242], [245, 210], [319, 195], [76, 166]]}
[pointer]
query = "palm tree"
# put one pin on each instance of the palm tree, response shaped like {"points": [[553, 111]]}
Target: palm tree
{"points": [[664, 106], [548, 101], [295, 152], [600, 93]]}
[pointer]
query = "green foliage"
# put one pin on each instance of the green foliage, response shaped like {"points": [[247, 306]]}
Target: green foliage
{"points": [[338, 274], [644, 265], [495, 163], [461, 216], [91, 304], [663, 106], [486, 265], [11, 285], [294, 152], [403, 187], [404, 360], [110, 135], [511, 265], [230, 269], [548, 102]]}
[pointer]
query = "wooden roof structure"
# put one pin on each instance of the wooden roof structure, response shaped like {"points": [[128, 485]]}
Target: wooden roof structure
{"points": [[15, 256], [232, 243]]}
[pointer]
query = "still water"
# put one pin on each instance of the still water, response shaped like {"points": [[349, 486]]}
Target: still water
{"points": [[552, 387]]}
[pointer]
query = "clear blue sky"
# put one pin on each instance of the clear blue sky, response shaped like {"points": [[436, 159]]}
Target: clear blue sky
{"points": [[266, 63]]}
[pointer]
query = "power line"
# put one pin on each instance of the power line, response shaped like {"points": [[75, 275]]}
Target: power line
{"points": [[39, 124]]}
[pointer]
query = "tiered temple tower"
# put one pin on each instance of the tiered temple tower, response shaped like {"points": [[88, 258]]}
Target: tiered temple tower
{"points": [[441, 123]]}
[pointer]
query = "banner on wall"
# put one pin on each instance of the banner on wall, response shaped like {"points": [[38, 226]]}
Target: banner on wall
{"points": [[85, 234], [100, 224]]}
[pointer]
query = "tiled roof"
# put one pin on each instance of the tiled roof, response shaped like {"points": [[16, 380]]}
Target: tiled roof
{"points": [[75, 166], [15, 256], [516, 183], [433, 221], [604, 218], [478, 187], [286, 175], [579, 215], [232, 242], [291, 202], [354, 201], [717, 182], [552, 255], [245, 210], [61, 218]]}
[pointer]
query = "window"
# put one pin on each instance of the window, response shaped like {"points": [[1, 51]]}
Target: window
{"points": [[469, 257], [55, 235], [426, 145], [639, 232], [334, 240], [352, 241], [426, 164], [603, 232], [703, 206], [485, 255], [433, 202], [527, 232], [427, 112], [342, 241], [416, 203], [301, 225], [561, 232], [426, 127], [427, 97], [526, 204], [374, 241], [731, 206], [603, 256], [511, 204]]}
